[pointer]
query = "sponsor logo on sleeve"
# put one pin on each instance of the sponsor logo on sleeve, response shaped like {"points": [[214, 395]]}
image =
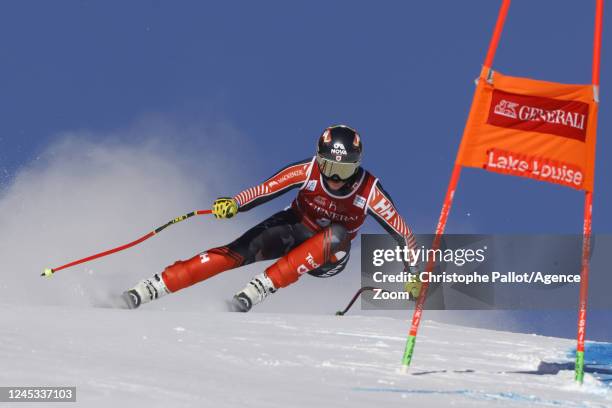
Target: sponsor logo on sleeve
{"points": [[385, 209], [286, 176]]}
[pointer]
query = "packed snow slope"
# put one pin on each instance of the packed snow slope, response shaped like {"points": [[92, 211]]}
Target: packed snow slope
{"points": [[89, 192], [156, 358]]}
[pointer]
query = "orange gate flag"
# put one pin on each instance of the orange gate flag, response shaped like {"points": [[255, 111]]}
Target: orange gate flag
{"points": [[530, 128]]}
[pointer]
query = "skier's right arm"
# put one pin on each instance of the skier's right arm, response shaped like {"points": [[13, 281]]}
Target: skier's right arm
{"points": [[288, 178]]}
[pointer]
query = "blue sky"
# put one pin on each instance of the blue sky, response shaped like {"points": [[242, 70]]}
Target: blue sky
{"points": [[400, 72], [278, 72]]}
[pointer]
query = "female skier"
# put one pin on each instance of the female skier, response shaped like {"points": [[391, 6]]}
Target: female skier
{"points": [[313, 236]]}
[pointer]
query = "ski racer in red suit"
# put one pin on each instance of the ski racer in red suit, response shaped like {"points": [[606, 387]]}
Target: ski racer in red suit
{"points": [[313, 236]]}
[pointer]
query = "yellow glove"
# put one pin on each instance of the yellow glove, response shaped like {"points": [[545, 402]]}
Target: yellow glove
{"points": [[224, 207], [414, 287]]}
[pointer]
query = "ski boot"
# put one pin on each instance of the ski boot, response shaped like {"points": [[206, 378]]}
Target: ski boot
{"points": [[145, 291], [259, 288]]}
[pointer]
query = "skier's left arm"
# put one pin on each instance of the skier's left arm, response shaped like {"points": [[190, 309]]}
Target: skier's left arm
{"points": [[381, 207]]}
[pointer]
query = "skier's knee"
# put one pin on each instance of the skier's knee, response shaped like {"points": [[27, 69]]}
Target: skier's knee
{"points": [[329, 246]]}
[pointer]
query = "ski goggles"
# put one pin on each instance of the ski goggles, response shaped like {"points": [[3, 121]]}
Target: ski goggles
{"points": [[336, 170]]}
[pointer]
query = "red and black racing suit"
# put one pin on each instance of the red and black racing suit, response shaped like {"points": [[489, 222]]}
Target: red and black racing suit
{"points": [[311, 236]]}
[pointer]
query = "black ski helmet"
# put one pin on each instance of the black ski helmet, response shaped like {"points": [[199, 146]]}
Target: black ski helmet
{"points": [[339, 152]]}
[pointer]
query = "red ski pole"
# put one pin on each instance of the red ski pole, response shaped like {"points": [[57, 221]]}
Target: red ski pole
{"points": [[50, 271]]}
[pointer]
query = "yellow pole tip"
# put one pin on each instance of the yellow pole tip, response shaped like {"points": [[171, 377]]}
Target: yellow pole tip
{"points": [[48, 272]]}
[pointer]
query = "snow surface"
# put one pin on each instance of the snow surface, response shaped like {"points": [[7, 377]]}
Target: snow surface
{"points": [[184, 350], [156, 358]]}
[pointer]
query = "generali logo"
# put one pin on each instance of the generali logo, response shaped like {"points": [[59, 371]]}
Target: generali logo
{"points": [[559, 117], [506, 108]]}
